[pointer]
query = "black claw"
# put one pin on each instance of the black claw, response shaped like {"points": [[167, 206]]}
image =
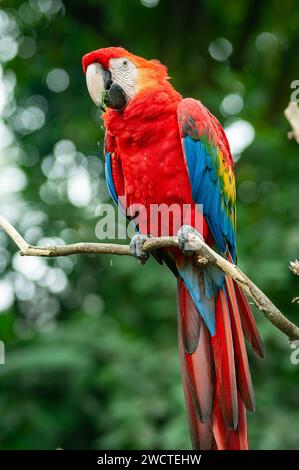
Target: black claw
{"points": [[183, 241], [136, 247]]}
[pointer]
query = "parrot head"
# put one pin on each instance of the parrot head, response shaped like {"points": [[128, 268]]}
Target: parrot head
{"points": [[114, 76]]}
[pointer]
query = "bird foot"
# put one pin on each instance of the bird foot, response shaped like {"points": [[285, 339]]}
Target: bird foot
{"points": [[183, 239], [136, 247]]}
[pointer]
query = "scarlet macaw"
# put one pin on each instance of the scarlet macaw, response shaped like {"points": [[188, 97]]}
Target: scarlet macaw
{"points": [[163, 149]]}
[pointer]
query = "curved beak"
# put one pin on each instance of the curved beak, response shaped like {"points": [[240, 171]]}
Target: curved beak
{"points": [[102, 90], [96, 80]]}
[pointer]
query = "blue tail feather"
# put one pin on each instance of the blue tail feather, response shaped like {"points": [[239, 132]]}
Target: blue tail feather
{"points": [[203, 287]]}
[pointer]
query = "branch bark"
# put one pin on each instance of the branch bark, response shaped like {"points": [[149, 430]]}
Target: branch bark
{"points": [[292, 115], [205, 255]]}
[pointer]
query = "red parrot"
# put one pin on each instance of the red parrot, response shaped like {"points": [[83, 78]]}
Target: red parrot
{"points": [[161, 149]]}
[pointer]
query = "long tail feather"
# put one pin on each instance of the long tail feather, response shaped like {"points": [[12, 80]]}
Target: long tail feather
{"points": [[215, 371], [223, 350], [248, 323], [220, 430], [241, 361], [197, 365], [201, 433], [247, 319]]}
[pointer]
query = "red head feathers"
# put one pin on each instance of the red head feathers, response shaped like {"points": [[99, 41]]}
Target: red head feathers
{"points": [[149, 72]]}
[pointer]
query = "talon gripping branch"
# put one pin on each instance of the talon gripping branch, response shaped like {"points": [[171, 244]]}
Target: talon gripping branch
{"points": [[163, 149]]}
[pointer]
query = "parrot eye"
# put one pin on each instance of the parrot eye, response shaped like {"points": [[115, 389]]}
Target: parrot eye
{"points": [[125, 63]]}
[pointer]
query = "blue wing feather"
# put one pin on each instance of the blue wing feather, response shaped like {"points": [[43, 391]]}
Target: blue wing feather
{"points": [[208, 189]]}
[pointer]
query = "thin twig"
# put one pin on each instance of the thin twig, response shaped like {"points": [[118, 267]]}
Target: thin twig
{"points": [[13, 234], [205, 255]]}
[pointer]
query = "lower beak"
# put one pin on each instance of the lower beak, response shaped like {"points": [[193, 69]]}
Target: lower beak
{"points": [[102, 90]]}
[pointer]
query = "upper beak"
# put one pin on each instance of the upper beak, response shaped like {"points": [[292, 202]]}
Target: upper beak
{"points": [[98, 82], [102, 90]]}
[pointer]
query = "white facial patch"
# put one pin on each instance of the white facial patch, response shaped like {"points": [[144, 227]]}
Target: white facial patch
{"points": [[124, 73]]}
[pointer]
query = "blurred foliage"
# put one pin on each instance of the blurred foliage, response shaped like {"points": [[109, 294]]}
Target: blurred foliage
{"points": [[91, 352]]}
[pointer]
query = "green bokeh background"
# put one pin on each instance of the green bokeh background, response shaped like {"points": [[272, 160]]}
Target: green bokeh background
{"points": [[91, 349]]}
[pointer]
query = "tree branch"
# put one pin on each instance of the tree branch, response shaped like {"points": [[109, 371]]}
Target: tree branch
{"points": [[204, 252], [292, 115], [294, 266]]}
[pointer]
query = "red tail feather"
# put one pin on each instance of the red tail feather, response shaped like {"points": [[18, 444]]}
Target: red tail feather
{"points": [[197, 367], [223, 352], [220, 430], [216, 376], [201, 433], [241, 361], [248, 323]]}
